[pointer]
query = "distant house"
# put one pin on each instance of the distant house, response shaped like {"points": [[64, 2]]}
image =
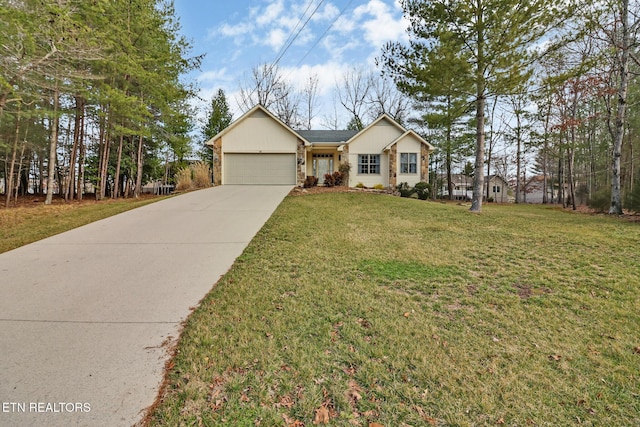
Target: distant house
{"points": [[258, 148], [463, 188], [498, 189], [533, 191]]}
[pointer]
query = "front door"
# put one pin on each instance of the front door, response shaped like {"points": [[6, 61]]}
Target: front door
{"points": [[322, 165]]}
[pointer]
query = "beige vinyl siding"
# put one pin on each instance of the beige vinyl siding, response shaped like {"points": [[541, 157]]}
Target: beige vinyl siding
{"points": [[259, 133], [408, 144], [372, 141], [260, 169]]}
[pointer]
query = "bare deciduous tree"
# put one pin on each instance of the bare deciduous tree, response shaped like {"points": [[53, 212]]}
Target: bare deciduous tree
{"points": [[310, 100], [385, 98], [267, 86], [352, 92]]}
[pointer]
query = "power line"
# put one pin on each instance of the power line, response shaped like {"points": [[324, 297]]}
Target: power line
{"points": [[290, 42], [292, 37], [344, 9], [293, 30]]}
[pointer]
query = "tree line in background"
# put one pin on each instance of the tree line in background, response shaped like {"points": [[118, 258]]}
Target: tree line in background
{"points": [[90, 96], [560, 74]]}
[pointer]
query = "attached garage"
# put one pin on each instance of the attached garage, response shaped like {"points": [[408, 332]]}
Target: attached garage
{"points": [[260, 168], [258, 149]]}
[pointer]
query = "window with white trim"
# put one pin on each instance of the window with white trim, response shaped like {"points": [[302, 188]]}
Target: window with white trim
{"points": [[408, 163], [369, 164]]}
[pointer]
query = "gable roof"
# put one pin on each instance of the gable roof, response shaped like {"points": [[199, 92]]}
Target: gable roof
{"points": [[404, 131], [249, 113], [410, 133], [330, 137], [384, 116]]}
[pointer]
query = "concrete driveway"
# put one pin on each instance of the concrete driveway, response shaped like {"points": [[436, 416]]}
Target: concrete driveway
{"points": [[85, 316]]}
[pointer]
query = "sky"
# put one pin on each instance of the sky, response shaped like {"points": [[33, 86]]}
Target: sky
{"points": [[238, 35]]}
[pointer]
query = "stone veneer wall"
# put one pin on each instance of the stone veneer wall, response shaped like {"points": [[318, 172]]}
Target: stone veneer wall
{"points": [[217, 164], [393, 166], [344, 158], [424, 161], [301, 168]]}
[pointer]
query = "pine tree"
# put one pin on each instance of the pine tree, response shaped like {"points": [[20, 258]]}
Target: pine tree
{"points": [[494, 38], [219, 117]]}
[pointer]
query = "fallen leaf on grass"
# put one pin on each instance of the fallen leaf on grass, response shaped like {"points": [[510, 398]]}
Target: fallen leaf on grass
{"points": [[291, 422], [244, 398], [322, 416], [406, 314], [364, 323], [637, 350], [375, 425], [425, 417], [555, 357], [353, 393], [285, 401]]}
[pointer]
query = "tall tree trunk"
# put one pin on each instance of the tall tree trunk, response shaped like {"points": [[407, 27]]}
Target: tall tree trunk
{"points": [[518, 160], [570, 172], [81, 155], [448, 161], [70, 185], [616, 193], [561, 195], [19, 176], [53, 145], [116, 191], [41, 174], [104, 160], [139, 165], [478, 179], [14, 149]]}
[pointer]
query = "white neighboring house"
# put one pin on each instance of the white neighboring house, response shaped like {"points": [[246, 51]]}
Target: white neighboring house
{"points": [[463, 188]]}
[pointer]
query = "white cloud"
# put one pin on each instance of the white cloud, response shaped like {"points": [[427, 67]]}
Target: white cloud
{"points": [[379, 23], [214, 76], [271, 13], [337, 46], [344, 25], [254, 37], [275, 38], [231, 30], [327, 13]]}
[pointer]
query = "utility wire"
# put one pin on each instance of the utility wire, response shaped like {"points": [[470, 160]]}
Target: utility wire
{"points": [[344, 9], [293, 31], [292, 37]]}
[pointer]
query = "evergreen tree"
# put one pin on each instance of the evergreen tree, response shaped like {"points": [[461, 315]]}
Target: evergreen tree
{"points": [[219, 118], [493, 39]]}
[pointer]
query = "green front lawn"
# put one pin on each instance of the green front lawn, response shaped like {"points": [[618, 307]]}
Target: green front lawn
{"points": [[27, 224], [358, 309]]}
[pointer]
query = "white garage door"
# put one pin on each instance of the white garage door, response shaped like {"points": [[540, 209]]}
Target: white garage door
{"points": [[265, 169]]}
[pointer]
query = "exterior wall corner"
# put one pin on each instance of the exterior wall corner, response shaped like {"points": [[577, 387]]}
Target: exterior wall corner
{"points": [[217, 161], [301, 167], [393, 166], [424, 163]]}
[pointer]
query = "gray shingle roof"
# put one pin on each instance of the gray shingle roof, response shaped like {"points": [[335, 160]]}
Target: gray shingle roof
{"points": [[334, 136]]}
